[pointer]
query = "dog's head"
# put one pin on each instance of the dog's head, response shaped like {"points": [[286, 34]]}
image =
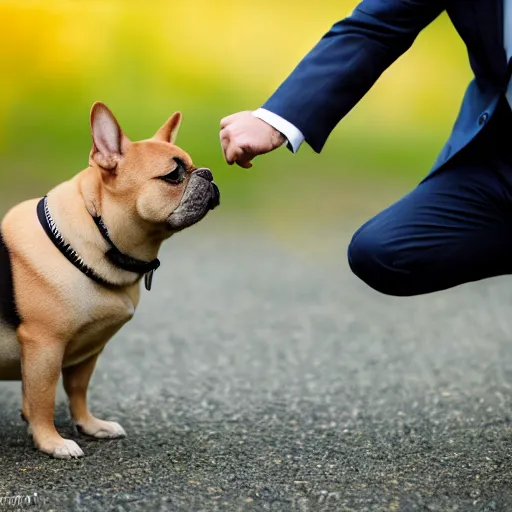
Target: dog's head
{"points": [[154, 178]]}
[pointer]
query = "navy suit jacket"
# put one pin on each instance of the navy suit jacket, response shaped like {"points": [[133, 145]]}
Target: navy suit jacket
{"points": [[348, 60]]}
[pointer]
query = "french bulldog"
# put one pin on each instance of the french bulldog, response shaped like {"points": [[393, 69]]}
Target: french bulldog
{"points": [[72, 264]]}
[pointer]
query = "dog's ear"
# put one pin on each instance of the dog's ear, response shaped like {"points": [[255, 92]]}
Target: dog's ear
{"points": [[169, 130], [108, 140]]}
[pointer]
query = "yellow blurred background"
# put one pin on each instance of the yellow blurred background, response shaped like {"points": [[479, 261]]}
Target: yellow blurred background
{"points": [[208, 60]]}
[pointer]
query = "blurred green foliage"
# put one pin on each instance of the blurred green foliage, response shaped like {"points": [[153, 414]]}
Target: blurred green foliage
{"points": [[208, 60]]}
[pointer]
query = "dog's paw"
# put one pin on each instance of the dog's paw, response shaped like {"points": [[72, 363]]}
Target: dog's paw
{"points": [[101, 429], [70, 450], [67, 449]]}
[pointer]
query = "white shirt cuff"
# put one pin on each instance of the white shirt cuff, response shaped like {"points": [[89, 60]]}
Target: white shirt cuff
{"points": [[291, 132]]}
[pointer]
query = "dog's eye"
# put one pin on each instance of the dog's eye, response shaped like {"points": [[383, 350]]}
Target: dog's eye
{"points": [[177, 175]]}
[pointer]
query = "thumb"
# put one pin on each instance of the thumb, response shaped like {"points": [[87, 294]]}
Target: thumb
{"points": [[245, 165], [244, 160]]}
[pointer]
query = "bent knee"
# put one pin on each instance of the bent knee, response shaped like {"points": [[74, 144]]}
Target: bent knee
{"points": [[371, 258]]}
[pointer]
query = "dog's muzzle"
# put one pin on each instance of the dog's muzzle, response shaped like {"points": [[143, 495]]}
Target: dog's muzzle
{"points": [[201, 196], [208, 176]]}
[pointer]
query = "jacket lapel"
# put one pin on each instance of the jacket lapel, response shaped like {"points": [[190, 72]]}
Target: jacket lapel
{"points": [[489, 14]]}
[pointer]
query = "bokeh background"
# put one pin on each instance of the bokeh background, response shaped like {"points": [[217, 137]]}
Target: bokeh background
{"points": [[208, 60], [253, 367]]}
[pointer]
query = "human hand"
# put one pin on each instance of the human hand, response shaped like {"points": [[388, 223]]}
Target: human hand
{"points": [[244, 137]]}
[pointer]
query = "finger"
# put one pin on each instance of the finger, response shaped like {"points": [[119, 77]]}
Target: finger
{"points": [[233, 153], [233, 117], [245, 161], [226, 120], [224, 141]]}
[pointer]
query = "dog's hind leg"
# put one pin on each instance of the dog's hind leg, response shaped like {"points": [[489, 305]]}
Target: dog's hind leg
{"points": [[76, 381]]}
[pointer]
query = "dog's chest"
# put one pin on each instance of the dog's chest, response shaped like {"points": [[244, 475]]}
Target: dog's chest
{"points": [[100, 320], [95, 321]]}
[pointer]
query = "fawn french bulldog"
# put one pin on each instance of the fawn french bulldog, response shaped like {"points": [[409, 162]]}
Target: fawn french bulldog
{"points": [[72, 262]]}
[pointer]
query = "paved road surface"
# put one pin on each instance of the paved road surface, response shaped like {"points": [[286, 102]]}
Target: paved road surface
{"points": [[256, 377]]}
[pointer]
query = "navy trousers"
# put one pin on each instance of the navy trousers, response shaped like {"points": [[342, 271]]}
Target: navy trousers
{"points": [[453, 228]]}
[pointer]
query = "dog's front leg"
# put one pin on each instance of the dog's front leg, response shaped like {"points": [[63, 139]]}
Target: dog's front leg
{"points": [[76, 381], [41, 362]]}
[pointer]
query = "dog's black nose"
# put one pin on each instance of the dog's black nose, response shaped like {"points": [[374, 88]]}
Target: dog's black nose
{"points": [[205, 173], [215, 198]]}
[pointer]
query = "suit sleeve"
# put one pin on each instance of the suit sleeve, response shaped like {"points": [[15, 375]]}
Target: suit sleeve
{"points": [[346, 62]]}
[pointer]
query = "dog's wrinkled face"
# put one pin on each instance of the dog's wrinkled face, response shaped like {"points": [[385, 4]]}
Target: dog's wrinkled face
{"points": [[155, 178]]}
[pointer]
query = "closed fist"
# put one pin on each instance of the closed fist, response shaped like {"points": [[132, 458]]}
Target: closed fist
{"points": [[243, 137]]}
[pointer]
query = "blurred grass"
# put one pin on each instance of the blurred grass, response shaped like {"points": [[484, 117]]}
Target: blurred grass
{"points": [[208, 60]]}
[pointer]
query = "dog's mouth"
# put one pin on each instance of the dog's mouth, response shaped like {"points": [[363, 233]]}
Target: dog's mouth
{"points": [[201, 196]]}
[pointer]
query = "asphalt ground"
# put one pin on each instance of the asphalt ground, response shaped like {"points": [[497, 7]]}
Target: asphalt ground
{"points": [[262, 375]]}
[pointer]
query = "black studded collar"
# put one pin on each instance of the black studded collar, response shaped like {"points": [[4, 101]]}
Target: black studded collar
{"points": [[114, 255]]}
